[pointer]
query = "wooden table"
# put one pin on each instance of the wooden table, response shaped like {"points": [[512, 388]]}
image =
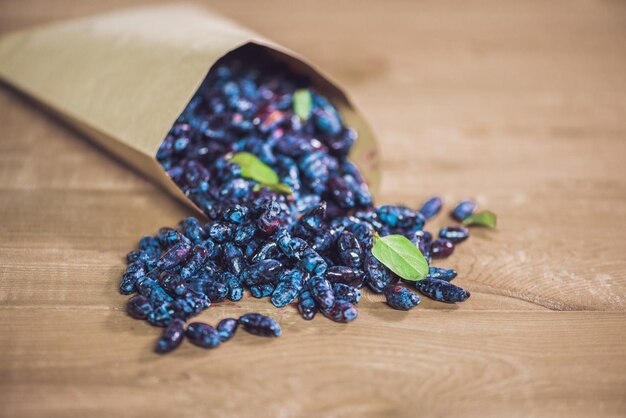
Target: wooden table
{"points": [[520, 105]]}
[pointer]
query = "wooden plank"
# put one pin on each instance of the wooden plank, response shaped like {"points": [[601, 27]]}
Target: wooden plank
{"points": [[518, 104], [419, 363]]}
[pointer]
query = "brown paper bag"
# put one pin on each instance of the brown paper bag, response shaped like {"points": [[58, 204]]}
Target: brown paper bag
{"points": [[123, 78]]}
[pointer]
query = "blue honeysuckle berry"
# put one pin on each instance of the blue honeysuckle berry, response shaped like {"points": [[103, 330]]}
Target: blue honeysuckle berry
{"points": [[203, 335], [289, 285], [347, 275], [455, 234], [226, 328], [347, 293], [431, 207], [400, 298], [172, 337], [441, 290], [341, 311], [321, 291], [463, 210], [258, 324], [441, 273], [307, 305]]}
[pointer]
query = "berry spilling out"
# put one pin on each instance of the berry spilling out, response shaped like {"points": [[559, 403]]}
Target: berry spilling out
{"points": [[293, 221]]}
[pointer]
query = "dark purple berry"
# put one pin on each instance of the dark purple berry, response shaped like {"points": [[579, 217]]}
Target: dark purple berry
{"points": [[138, 307], [265, 271], [226, 328], [192, 229], [175, 256], [341, 311], [195, 262], [244, 233], [441, 248], [203, 335], [236, 214], [173, 283], [377, 275], [233, 258], [171, 338], [215, 291], [258, 324], [345, 274], [350, 252]]}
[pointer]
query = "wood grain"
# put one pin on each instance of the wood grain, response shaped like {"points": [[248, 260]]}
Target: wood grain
{"points": [[520, 105]]}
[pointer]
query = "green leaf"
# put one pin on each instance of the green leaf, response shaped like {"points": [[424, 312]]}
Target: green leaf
{"points": [[484, 218], [278, 187], [254, 169], [302, 103], [401, 256]]}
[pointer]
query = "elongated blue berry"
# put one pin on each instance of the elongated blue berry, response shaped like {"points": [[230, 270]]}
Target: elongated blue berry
{"points": [[233, 258], [441, 273], [203, 335], [431, 207], [396, 216], [377, 275], [463, 209], [261, 290], [401, 298], [176, 255], [347, 293], [441, 290], [172, 337], [226, 328], [195, 262], [192, 229], [138, 307], [341, 311], [350, 252], [313, 263], [288, 288], [322, 291], [134, 273], [344, 274], [455, 234], [306, 305], [265, 271], [258, 324]]}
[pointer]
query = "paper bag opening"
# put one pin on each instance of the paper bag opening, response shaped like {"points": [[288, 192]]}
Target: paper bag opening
{"points": [[124, 78]]}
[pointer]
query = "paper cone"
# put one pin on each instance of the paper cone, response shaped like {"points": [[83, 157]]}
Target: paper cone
{"points": [[123, 78]]}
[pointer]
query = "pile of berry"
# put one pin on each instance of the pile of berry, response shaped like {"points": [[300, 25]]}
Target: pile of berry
{"points": [[311, 247]]}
